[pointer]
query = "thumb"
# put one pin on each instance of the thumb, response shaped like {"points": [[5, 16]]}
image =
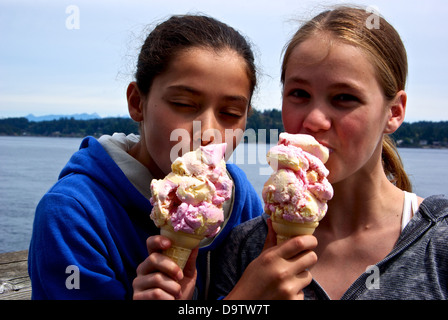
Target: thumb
{"points": [[271, 237], [190, 266]]}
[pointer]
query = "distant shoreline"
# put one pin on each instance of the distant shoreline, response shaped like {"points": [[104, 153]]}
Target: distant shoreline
{"points": [[83, 136], [422, 135]]}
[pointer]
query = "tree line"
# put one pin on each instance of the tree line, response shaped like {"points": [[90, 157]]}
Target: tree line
{"points": [[416, 134], [67, 127], [422, 134]]}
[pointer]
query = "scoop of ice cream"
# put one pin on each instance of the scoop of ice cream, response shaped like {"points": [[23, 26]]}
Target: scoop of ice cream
{"points": [[192, 190], [307, 143], [205, 161], [298, 190], [190, 198], [202, 219], [287, 157], [288, 197]]}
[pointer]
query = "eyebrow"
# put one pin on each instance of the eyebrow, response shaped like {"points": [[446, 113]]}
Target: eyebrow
{"points": [[241, 99], [347, 85], [190, 90], [338, 85], [185, 89], [297, 80]]}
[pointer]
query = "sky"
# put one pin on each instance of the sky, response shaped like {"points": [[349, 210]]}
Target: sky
{"points": [[76, 56]]}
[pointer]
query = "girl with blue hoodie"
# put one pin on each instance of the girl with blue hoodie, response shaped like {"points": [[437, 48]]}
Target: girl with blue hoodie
{"points": [[92, 235]]}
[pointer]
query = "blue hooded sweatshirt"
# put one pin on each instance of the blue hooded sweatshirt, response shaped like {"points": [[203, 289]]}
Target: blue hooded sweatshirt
{"points": [[90, 230]]}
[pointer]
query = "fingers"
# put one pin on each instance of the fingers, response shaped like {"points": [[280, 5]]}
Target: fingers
{"points": [[159, 277], [298, 254], [296, 245], [299, 257], [157, 262], [156, 286], [280, 272], [157, 243]]}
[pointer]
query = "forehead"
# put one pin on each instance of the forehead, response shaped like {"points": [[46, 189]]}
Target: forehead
{"points": [[207, 71], [203, 56], [330, 58], [207, 61]]}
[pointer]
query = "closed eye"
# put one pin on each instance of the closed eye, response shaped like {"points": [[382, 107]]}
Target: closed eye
{"points": [[184, 105], [234, 112]]}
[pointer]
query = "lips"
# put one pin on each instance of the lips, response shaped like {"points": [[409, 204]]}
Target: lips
{"points": [[326, 145]]}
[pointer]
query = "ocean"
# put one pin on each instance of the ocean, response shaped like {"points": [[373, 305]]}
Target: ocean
{"points": [[29, 166]]}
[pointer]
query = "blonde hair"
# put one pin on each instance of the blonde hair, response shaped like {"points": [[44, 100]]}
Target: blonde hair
{"points": [[386, 51]]}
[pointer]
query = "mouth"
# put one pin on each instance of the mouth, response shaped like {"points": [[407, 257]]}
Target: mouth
{"points": [[330, 150]]}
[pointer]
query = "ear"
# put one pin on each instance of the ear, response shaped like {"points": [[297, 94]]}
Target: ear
{"points": [[135, 102], [397, 111]]}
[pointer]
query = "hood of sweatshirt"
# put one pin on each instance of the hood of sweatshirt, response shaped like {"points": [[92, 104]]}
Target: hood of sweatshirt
{"points": [[93, 161]]}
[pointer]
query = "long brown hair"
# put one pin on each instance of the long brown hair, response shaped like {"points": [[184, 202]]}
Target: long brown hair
{"points": [[387, 53], [181, 32]]}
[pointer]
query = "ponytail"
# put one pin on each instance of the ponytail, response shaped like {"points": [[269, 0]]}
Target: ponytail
{"points": [[393, 166]]}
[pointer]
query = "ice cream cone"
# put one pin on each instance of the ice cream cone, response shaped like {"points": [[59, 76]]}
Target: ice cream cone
{"points": [[286, 230], [188, 202], [181, 245]]}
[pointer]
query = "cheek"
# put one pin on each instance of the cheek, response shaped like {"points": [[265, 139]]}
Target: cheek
{"points": [[158, 134], [238, 131], [158, 148], [355, 151], [291, 118]]}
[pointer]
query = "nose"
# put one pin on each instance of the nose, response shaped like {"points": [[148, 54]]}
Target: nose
{"points": [[316, 120], [207, 131], [209, 138]]}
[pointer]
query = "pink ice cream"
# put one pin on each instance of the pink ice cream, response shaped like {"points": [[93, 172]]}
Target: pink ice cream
{"points": [[298, 190], [190, 198]]}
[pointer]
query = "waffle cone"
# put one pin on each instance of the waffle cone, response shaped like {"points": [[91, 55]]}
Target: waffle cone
{"points": [[286, 230], [181, 245]]}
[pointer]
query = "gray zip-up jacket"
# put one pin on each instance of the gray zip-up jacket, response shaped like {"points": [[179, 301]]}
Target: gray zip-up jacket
{"points": [[416, 269]]}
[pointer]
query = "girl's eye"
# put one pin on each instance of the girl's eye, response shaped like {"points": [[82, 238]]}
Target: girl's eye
{"points": [[231, 114], [299, 93], [237, 113], [346, 98], [183, 104]]}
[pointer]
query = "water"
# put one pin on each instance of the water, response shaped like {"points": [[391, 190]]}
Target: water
{"points": [[29, 166], [427, 168]]}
